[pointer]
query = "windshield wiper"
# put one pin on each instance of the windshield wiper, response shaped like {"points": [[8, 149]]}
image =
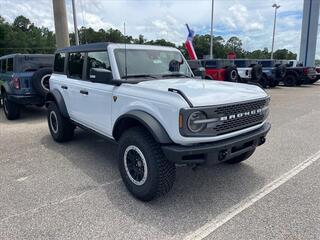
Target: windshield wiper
{"points": [[140, 76], [175, 75]]}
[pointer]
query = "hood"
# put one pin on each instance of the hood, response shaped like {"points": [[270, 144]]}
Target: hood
{"points": [[208, 92]]}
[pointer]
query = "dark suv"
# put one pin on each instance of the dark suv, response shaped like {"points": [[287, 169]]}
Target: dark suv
{"points": [[24, 80], [273, 72]]}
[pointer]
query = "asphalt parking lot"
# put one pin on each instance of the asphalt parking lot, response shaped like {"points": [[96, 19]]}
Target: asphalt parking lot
{"points": [[74, 190]]}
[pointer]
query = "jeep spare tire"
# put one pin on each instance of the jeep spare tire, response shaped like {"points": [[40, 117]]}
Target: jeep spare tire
{"points": [[281, 71], [231, 74], [256, 72], [40, 81]]}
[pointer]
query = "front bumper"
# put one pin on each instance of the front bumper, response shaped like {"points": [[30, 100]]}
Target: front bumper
{"points": [[26, 99], [216, 152]]}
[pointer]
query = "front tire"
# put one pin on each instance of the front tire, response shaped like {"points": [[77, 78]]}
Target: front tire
{"points": [[10, 109], [144, 169], [240, 158], [290, 80], [61, 129]]}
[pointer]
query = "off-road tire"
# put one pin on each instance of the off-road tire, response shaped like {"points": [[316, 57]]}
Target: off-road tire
{"points": [[240, 158], [61, 128], [273, 83], [281, 71], [231, 74], [263, 81], [256, 72], [290, 80], [40, 81], [160, 172], [10, 109]]}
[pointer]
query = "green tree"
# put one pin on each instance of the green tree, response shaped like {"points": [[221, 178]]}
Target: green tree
{"points": [[22, 23], [284, 54]]}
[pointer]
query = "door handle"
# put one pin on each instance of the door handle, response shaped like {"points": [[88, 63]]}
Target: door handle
{"points": [[84, 92], [64, 87]]}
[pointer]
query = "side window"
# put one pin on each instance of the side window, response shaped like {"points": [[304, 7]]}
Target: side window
{"points": [[3, 65], [97, 60], [75, 65], [59, 62], [10, 65], [210, 64]]}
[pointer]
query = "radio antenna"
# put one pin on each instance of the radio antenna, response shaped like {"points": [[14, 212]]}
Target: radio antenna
{"points": [[125, 51]]}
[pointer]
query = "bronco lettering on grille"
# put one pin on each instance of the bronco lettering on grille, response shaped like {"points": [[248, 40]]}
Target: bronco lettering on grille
{"points": [[240, 115]]}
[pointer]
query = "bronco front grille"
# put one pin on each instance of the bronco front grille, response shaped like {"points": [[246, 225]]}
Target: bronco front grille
{"points": [[242, 107], [238, 123], [224, 119]]}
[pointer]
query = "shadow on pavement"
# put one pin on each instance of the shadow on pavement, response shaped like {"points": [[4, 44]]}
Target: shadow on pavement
{"points": [[196, 196], [29, 114]]}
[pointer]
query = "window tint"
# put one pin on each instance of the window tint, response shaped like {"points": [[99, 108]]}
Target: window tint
{"points": [[97, 60], [10, 65], [59, 62], [240, 63], [210, 64], [3, 65], [31, 63], [75, 65], [266, 64]]}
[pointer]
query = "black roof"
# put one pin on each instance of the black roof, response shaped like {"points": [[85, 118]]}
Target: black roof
{"points": [[85, 48], [25, 55]]}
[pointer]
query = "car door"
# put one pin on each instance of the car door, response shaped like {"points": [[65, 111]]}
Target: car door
{"points": [[92, 104], [59, 79]]}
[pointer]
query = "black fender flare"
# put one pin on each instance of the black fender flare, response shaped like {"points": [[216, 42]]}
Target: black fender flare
{"points": [[146, 120], [5, 87], [55, 96]]}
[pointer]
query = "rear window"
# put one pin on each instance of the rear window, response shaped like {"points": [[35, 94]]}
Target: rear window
{"points": [[3, 65], [59, 62], [31, 63], [10, 65], [75, 65], [266, 64], [240, 63]]}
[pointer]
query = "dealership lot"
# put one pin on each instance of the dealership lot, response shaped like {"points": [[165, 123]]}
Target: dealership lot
{"points": [[74, 190]]}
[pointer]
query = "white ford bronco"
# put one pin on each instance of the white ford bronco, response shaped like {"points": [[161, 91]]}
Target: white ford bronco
{"points": [[147, 100]]}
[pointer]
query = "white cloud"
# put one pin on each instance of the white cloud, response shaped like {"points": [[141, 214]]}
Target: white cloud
{"points": [[251, 20]]}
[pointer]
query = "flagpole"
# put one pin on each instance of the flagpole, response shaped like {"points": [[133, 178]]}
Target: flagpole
{"points": [[211, 40]]}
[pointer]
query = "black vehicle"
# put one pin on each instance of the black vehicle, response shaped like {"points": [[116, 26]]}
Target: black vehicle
{"points": [[297, 74], [250, 71], [24, 80], [272, 72]]}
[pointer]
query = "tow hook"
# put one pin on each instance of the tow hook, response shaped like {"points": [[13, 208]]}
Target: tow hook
{"points": [[222, 155], [262, 140]]}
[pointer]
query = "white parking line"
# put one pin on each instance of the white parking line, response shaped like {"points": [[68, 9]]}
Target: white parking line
{"points": [[221, 219]]}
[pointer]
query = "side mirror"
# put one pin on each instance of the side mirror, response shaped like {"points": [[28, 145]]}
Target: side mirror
{"points": [[100, 75], [199, 72]]}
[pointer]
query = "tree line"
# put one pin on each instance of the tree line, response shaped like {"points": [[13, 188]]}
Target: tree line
{"points": [[22, 36]]}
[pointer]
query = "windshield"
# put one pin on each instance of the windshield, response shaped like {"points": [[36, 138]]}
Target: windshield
{"points": [[155, 63]]}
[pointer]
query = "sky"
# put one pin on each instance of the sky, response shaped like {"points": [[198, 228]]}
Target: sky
{"points": [[250, 20]]}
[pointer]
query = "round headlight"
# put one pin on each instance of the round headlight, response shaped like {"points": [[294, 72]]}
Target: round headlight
{"points": [[193, 122]]}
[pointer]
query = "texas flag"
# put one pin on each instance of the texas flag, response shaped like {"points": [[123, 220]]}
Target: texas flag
{"points": [[189, 45]]}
